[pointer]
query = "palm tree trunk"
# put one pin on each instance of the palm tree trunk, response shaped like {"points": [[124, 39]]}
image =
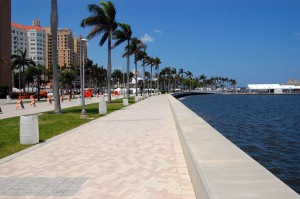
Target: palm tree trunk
{"points": [[169, 82], [109, 70], [54, 24], [151, 79], [143, 79], [127, 83], [157, 83], [136, 80]]}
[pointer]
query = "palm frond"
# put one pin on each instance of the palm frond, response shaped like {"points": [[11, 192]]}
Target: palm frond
{"points": [[103, 39]]}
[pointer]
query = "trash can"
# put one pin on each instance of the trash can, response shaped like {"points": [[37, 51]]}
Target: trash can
{"points": [[125, 102], [102, 108], [29, 129], [136, 98], [102, 98]]}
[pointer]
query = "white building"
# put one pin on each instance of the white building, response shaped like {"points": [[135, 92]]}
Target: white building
{"points": [[272, 89], [33, 38], [18, 38]]}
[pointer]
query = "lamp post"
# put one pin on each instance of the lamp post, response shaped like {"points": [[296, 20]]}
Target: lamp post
{"points": [[123, 75], [83, 111]]}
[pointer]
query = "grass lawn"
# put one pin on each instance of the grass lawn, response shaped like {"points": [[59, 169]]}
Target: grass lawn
{"points": [[50, 125]]}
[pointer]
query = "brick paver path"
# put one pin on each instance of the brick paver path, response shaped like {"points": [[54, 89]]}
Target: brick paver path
{"points": [[131, 153]]}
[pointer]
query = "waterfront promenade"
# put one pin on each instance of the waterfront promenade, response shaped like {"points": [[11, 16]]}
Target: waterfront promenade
{"points": [[131, 153]]}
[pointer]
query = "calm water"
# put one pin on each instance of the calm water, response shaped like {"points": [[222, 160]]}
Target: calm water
{"points": [[266, 127]]}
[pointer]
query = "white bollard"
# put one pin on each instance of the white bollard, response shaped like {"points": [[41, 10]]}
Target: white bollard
{"points": [[102, 98], [136, 98], [102, 108], [29, 129], [8, 99], [125, 102]]}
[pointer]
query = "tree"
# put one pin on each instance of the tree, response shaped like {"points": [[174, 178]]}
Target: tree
{"points": [[117, 76], [189, 75], [20, 61], [142, 57], [156, 64], [134, 48], [122, 35], [150, 61], [55, 83], [181, 72], [202, 78], [102, 19], [67, 76], [173, 72]]}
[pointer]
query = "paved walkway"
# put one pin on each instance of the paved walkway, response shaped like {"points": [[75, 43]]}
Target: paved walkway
{"points": [[131, 153], [9, 110]]}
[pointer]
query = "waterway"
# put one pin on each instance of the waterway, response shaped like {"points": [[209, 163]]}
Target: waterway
{"points": [[266, 127]]}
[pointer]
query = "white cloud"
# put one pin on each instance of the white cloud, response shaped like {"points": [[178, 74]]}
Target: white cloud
{"points": [[158, 32], [147, 38]]}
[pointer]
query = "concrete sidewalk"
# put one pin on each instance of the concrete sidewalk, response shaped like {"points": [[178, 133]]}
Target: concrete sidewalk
{"points": [[131, 153], [9, 110]]}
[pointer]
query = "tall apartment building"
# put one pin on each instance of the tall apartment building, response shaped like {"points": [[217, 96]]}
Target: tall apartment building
{"points": [[67, 48], [32, 38], [80, 48]]}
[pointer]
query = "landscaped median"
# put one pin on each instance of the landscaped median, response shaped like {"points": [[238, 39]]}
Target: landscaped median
{"points": [[50, 125]]}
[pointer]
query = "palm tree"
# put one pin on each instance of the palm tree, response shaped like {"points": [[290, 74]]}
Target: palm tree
{"points": [[180, 71], [135, 47], [102, 19], [156, 64], [174, 72], [189, 74], [150, 61], [55, 81], [142, 57], [20, 61], [124, 34], [168, 72], [202, 78]]}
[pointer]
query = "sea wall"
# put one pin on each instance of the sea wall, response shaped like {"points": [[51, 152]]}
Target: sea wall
{"points": [[217, 167]]}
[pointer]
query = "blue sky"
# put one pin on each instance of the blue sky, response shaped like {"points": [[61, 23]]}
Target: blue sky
{"points": [[252, 41]]}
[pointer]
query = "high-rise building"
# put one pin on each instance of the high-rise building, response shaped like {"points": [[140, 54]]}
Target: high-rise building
{"points": [[5, 44], [80, 48], [66, 51], [32, 38]]}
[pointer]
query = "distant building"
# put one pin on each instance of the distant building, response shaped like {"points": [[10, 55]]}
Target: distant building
{"points": [[80, 49], [32, 38], [272, 89], [295, 82], [68, 48]]}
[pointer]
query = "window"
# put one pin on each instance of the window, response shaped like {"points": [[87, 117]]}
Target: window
{"points": [[32, 39], [32, 48], [32, 34], [32, 44]]}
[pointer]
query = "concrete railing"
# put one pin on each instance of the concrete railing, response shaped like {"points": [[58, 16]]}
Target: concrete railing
{"points": [[218, 168]]}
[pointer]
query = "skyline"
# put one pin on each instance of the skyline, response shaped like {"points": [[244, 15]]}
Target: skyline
{"points": [[250, 41]]}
